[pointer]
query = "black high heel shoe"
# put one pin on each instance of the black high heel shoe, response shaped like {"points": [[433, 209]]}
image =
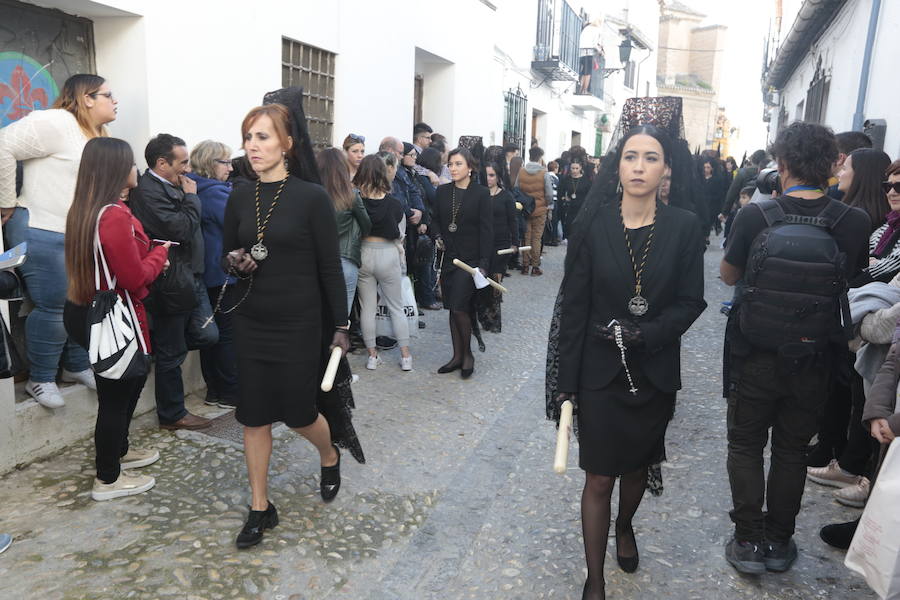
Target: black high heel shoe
{"points": [[629, 564], [450, 367], [466, 373], [257, 522], [331, 479], [585, 590]]}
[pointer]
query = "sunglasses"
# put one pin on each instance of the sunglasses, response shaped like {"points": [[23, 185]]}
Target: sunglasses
{"points": [[888, 186], [357, 138]]}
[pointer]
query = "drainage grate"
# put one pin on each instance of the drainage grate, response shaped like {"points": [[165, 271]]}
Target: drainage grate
{"points": [[226, 427]]}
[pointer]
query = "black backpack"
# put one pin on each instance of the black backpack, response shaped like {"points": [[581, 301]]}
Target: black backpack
{"points": [[796, 283]]}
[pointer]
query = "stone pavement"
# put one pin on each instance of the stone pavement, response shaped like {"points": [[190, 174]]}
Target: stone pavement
{"points": [[457, 500]]}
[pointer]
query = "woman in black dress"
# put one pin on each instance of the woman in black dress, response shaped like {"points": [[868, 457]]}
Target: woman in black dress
{"points": [[573, 189], [634, 279], [284, 244], [506, 236], [463, 223]]}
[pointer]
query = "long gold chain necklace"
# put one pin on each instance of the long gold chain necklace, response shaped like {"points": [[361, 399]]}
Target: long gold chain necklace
{"points": [[638, 305], [259, 251], [454, 211]]}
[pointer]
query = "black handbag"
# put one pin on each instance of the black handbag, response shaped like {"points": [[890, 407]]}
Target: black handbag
{"points": [[424, 251]]}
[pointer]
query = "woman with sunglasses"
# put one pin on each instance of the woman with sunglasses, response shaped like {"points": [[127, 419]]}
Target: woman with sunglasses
{"points": [[50, 143], [355, 147], [884, 244], [211, 167]]}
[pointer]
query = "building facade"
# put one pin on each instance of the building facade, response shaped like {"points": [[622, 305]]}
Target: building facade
{"points": [[505, 70], [834, 67], [690, 66]]}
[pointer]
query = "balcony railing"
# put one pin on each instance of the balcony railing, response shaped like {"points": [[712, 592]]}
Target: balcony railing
{"points": [[556, 47]]}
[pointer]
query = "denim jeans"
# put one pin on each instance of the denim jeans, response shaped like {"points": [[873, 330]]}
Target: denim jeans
{"points": [[764, 397], [219, 361], [172, 336], [351, 277], [44, 273]]}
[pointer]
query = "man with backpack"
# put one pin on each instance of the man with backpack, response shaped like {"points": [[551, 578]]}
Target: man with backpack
{"points": [[744, 177], [785, 337]]}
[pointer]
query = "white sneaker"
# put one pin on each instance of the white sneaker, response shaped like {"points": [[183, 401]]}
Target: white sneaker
{"points": [[47, 394], [85, 378], [406, 363], [354, 378], [6, 541], [138, 457], [127, 484], [373, 362]]}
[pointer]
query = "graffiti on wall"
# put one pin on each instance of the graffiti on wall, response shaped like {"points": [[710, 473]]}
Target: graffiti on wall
{"points": [[25, 85]]}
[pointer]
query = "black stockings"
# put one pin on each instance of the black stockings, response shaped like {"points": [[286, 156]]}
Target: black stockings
{"points": [[595, 519], [461, 334]]}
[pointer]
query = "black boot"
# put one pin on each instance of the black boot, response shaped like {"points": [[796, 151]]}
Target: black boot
{"points": [[839, 535], [257, 522], [331, 479]]}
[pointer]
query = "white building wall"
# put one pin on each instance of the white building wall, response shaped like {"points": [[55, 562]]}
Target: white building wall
{"points": [[195, 72], [841, 48]]}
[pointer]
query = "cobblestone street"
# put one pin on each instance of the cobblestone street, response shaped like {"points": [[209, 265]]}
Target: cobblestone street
{"points": [[458, 498]]}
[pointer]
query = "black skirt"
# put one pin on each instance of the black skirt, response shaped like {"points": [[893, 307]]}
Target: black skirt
{"points": [[619, 432], [457, 289], [499, 262], [278, 371]]}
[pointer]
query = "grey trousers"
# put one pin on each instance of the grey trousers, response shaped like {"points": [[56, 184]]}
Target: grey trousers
{"points": [[381, 266]]}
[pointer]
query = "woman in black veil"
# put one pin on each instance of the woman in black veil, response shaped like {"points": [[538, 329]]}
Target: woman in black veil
{"points": [[281, 242], [625, 405]]}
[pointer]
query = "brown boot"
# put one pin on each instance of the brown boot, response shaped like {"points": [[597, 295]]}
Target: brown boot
{"points": [[188, 421], [536, 272], [525, 270]]}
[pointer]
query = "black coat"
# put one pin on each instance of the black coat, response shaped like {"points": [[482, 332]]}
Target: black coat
{"points": [[473, 242], [600, 284]]}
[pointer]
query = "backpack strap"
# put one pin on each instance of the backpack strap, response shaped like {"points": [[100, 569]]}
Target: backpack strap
{"points": [[771, 211], [833, 213]]}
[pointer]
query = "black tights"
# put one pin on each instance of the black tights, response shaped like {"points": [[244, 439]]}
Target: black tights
{"points": [[461, 334], [595, 518]]}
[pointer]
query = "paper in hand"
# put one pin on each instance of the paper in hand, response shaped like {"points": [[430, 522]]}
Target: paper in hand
{"points": [[480, 280]]}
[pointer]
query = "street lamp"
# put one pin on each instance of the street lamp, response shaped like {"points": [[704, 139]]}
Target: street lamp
{"points": [[624, 55]]}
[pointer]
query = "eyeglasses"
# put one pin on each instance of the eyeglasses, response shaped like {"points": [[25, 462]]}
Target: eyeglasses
{"points": [[888, 186], [357, 138], [108, 95], [222, 161]]}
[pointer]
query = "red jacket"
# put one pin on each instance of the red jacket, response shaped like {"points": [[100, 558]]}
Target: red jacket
{"points": [[131, 261]]}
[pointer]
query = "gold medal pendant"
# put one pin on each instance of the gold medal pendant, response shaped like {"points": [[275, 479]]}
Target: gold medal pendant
{"points": [[259, 252], [638, 306], [452, 228]]}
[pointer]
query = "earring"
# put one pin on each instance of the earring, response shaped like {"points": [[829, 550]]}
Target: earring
{"points": [[619, 187]]}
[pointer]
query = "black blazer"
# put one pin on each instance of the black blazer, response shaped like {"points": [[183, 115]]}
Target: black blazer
{"points": [[473, 242], [599, 285]]}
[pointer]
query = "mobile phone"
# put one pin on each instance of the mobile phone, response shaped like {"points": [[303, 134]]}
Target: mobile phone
{"points": [[166, 242]]}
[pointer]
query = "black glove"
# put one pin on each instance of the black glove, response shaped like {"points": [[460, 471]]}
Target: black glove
{"points": [[631, 333], [562, 397], [341, 340]]}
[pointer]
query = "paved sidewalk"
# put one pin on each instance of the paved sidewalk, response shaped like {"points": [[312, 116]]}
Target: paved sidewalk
{"points": [[458, 499]]}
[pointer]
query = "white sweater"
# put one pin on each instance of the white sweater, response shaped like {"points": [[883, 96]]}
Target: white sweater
{"points": [[50, 142]]}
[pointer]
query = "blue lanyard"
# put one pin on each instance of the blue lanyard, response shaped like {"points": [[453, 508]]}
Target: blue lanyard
{"points": [[803, 188]]}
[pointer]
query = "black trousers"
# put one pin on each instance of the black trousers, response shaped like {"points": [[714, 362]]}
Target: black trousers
{"points": [[116, 399], [763, 397]]}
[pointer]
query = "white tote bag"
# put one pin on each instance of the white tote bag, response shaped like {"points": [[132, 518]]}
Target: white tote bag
{"points": [[875, 550], [383, 325]]}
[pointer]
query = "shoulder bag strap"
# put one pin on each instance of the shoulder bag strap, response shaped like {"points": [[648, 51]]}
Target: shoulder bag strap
{"points": [[111, 281]]}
